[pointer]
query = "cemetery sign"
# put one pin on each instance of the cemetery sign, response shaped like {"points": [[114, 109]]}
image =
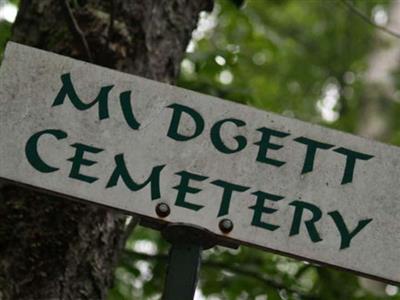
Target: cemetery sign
{"points": [[90, 133]]}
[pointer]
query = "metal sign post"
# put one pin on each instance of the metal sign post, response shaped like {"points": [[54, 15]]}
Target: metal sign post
{"points": [[187, 243], [182, 274]]}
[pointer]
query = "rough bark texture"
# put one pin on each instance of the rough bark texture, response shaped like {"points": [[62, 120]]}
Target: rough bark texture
{"points": [[57, 249]]}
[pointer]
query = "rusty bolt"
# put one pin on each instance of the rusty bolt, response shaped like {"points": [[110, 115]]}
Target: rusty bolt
{"points": [[163, 210], [226, 225]]}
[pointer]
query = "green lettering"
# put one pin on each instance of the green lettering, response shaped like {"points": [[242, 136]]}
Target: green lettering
{"points": [[312, 147], [69, 90], [32, 154], [176, 117], [229, 188], [260, 209], [265, 144], [125, 100], [345, 234], [78, 161], [310, 224], [121, 171], [351, 157], [219, 144], [183, 188]]}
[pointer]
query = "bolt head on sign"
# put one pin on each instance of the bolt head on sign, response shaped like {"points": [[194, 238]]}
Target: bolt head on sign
{"points": [[175, 156], [163, 210], [226, 225]]}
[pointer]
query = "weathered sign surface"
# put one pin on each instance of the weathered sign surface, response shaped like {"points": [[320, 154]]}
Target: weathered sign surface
{"points": [[130, 143]]}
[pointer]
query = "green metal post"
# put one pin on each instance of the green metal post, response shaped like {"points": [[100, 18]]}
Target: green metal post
{"points": [[182, 273], [187, 242]]}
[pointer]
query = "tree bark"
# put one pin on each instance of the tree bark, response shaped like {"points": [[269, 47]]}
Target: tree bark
{"points": [[57, 249]]}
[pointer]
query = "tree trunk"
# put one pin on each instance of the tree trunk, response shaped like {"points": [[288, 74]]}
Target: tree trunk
{"points": [[57, 249]]}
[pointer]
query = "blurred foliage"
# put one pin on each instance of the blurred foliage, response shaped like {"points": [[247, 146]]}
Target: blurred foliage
{"points": [[283, 54], [5, 31], [288, 57], [5, 27]]}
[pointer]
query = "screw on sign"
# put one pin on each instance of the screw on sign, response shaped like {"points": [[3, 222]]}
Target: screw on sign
{"points": [[162, 210], [226, 225], [230, 174]]}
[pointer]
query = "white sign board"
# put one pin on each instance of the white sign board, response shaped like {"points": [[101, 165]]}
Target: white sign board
{"points": [[95, 134]]}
